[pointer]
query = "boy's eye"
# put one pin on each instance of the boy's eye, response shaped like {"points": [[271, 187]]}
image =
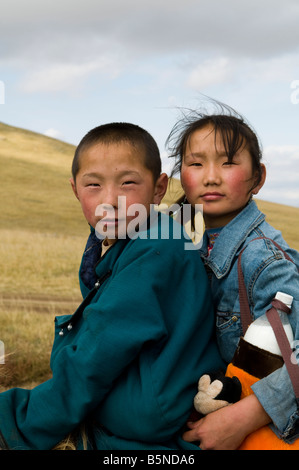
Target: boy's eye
{"points": [[129, 182], [93, 184]]}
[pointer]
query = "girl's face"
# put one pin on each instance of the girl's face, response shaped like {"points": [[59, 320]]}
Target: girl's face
{"points": [[208, 178]]}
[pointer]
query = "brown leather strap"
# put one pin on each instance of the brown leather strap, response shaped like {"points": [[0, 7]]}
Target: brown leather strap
{"points": [[246, 317], [283, 342], [274, 319]]}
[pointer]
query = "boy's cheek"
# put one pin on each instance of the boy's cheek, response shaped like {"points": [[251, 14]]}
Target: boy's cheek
{"points": [[89, 214]]}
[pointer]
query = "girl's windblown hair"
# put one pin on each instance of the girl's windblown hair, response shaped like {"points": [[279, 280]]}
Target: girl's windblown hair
{"points": [[236, 133]]}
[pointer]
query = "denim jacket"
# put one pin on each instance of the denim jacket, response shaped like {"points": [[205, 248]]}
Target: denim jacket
{"points": [[265, 271]]}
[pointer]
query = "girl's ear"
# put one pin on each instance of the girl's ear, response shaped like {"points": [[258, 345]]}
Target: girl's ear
{"points": [[160, 188], [259, 186]]}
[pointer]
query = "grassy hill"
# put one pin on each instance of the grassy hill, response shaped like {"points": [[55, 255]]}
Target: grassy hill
{"points": [[43, 234], [35, 193]]}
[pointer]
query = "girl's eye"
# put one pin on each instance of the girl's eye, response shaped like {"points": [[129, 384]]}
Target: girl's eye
{"points": [[195, 164], [229, 163]]}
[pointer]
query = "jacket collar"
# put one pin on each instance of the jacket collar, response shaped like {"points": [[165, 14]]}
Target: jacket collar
{"points": [[230, 239], [93, 264], [102, 271]]}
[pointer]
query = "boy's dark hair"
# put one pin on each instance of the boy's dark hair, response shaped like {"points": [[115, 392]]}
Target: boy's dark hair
{"points": [[117, 132], [236, 133]]}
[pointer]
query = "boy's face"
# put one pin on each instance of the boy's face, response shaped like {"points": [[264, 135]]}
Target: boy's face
{"points": [[108, 171], [208, 178]]}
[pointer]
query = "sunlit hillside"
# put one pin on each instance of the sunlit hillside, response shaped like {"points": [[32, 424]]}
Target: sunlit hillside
{"points": [[35, 192]]}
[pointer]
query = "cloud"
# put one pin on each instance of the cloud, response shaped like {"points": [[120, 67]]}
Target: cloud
{"points": [[209, 73], [58, 45], [167, 163], [65, 76], [53, 133], [282, 164], [225, 70], [149, 27]]}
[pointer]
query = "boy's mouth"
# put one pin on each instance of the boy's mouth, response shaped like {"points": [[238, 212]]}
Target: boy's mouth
{"points": [[109, 221]]}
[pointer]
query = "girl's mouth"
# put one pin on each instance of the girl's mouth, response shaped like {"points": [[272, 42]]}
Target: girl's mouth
{"points": [[212, 196]]}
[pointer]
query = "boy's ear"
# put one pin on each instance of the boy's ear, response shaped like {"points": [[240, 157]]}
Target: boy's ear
{"points": [[73, 184], [259, 186], [160, 188]]}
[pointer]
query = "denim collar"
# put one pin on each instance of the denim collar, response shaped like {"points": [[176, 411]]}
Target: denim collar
{"points": [[230, 239]]}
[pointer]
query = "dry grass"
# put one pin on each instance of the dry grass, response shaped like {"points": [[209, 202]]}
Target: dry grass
{"points": [[27, 338], [283, 218], [39, 263]]}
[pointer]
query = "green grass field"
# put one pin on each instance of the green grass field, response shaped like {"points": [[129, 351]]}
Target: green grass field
{"points": [[43, 234]]}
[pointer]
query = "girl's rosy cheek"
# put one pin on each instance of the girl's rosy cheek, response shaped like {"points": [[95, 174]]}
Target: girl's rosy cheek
{"points": [[239, 182], [189, 179]]}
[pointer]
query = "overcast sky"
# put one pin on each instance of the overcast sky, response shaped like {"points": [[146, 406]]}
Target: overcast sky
{"points": [[66, 67]]}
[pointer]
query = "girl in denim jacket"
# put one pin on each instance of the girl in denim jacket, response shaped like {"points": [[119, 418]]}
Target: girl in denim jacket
{"points": [[219, 159]]}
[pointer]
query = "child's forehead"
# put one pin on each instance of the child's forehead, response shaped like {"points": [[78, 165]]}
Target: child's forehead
{"points": [[117, 146], [205, 136], [113, 151], [219, 138], [121, 154]]}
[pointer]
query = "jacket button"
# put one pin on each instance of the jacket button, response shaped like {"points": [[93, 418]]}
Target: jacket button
{"points": [[234, 318]]}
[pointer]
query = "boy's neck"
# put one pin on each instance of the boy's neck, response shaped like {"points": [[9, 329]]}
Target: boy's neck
{"points": [[106, 244]]}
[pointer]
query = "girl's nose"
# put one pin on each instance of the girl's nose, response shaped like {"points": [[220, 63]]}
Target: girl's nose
{"points": [[211, 175]]}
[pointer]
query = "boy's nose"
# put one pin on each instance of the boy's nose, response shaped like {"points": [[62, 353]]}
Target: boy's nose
{"points": [[109, 197]]}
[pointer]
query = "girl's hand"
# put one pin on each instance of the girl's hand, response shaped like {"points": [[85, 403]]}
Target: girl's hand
{"points": [[225, 429]]}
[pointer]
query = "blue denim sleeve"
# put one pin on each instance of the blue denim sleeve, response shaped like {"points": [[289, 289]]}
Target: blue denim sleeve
{"points": [[275, 392]]}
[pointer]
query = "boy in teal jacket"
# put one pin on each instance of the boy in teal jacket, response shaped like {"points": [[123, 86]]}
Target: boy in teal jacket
{"points": [[126, 363]]}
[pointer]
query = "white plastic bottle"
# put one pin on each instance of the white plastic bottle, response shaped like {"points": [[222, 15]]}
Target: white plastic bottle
{"points": [[260, 332]]}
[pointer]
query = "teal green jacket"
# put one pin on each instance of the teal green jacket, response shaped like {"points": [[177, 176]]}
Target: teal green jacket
{"points": [[128, 360]]}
